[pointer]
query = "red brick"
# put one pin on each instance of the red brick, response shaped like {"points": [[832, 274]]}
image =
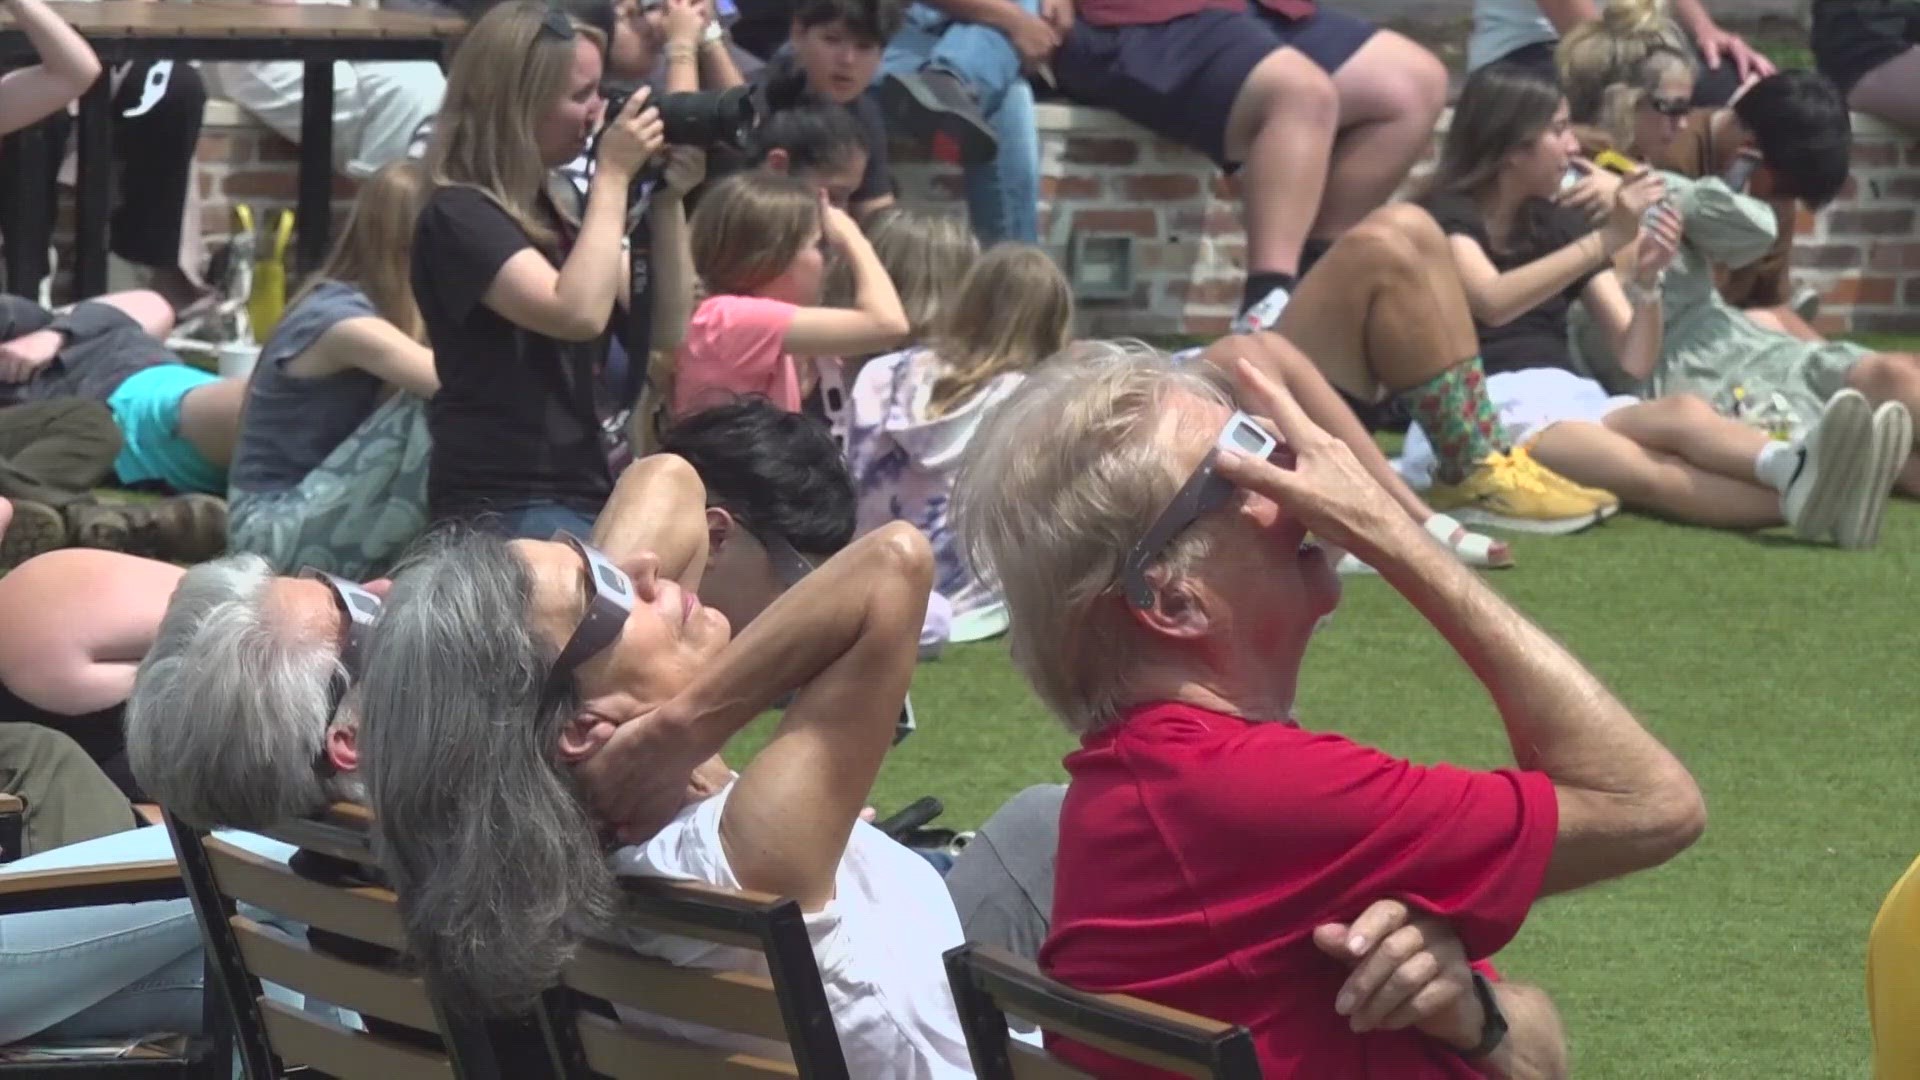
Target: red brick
{"points": [[1913, 153], [1157, 186], [1070, 187], [1142, 299], [1222, 220], [1874, 221], [1086, 150], [1887, 321], [1833, 324], [276, 149], [1805, 222], [1827, 256], [1214, 292], [1112, 220], [1875, 155], [1228, 256], [1861, 290], [276, 184], [224, 149], [1206, 326], [1910, 292], [1891, 257]]}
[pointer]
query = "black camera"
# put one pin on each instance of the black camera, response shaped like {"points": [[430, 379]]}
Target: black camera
{"points": [[708, 119]]}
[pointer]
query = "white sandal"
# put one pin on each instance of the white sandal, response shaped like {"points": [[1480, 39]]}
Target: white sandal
{"points": [[1472, 548]]}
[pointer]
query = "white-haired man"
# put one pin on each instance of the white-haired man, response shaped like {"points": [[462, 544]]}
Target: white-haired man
{"points": [[1154, 548]]}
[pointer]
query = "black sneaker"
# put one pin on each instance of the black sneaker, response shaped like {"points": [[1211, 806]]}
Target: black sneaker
{"points": [[930, 102]]}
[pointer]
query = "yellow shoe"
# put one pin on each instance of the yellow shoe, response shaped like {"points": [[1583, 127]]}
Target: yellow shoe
{"points": [[1512, 491], [1607, 502]]}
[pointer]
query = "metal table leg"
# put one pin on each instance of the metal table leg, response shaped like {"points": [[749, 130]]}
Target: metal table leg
{"points": [[316, 163], [95, 181], [26, 154]]}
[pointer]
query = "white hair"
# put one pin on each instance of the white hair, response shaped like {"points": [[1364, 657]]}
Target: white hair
{"points": [[230, 711], [1058, 485]]}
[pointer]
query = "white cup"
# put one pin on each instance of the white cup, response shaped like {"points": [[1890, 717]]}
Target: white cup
{"points": [[237, 359]]}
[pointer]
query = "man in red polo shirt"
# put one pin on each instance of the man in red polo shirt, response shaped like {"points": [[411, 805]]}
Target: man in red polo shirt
{"points": [[1153, 547], [1323, 114]]}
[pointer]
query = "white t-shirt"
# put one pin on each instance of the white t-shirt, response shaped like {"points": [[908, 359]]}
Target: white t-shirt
{"points": [[878, 943], [1502, 26]]}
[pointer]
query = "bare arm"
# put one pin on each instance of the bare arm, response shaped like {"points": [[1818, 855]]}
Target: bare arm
{"points": [[717, 69], [1536, 1044], [1625, 802], [1497, 299], [875, 323], [673, 276], [847, 637], [377, 347], [1567, 14], [67, 67], [1634, 331], [658, 508], [574, 302]]}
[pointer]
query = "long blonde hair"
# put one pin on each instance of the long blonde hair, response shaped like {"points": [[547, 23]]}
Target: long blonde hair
{"points": [[750, 227], [926, 254], [1608, 65], [375, 251], [507, 73], [1014, 309]]}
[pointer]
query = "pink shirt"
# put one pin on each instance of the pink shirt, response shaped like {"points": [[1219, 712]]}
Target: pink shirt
{"points": [[733, 348]]}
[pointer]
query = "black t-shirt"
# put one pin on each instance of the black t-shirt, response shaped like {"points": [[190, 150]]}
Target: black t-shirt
{"points": [[514, 420], [877, 181], [1538, 338]]}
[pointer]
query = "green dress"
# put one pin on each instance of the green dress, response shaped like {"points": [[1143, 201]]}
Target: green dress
{"points": [[1710, 348]]}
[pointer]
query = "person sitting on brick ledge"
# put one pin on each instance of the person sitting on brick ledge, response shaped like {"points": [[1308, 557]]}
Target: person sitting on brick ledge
{"points": [[1325, 113], [1867, 48]]}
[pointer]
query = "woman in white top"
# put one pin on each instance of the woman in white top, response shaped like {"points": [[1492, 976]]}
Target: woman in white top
{"points": [[515, 686]]}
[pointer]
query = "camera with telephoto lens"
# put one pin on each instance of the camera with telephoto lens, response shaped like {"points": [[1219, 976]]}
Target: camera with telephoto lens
{"points": [[708, 119]]}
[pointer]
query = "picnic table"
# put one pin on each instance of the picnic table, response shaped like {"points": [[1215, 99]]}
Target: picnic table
{"points": [[318, 35]]}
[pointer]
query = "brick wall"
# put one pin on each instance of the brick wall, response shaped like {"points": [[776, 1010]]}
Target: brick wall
{"points": [[1103, 175]]}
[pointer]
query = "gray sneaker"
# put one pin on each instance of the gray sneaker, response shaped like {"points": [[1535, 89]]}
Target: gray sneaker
{"points": [[1890, 441], [1834, 457]]}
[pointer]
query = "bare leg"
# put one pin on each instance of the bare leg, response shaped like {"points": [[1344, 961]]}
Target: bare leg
{"points": [[1686, 427], [1785, 321], [1893, 377], [1317, 397], [210, 419], [1891, 92], [1391, 93], [1656, 482], [1281, 130], [1384, 311]]}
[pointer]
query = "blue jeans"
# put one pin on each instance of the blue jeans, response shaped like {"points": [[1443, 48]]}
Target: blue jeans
{"points": [[1003, 196], [112, 971], [539, 521]]}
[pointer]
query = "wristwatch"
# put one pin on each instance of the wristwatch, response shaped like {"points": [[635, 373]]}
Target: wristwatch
{"points": [[1493, 1030]]}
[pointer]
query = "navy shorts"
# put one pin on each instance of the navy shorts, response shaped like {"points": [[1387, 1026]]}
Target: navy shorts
{"points": [[1852, 37], [1179, 79]]}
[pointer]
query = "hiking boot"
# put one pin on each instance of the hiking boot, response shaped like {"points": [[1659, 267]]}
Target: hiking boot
{"points": [[36, 529], [1512, 491], [931, 102], [186, 529]]}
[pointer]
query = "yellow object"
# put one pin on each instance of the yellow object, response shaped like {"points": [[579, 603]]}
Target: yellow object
{"points": [[268, 300], [1893, 981], [1513, 486], [1616, 162]]}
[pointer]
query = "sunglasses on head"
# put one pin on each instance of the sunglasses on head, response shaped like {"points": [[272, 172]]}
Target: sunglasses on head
{"points": [[555, 23], [610, 601], [1202, 494], [1673, 107], [787, 561]]}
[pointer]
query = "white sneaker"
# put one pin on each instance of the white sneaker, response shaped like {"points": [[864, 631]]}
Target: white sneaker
{"points": [[1833, 461], [1889, 443], [1263, 314]]}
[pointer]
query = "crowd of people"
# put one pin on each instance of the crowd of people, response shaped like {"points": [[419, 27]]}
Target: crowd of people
{"points": [[590, 443]]}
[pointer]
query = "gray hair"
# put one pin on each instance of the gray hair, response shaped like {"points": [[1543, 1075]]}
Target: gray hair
{"points": [[230, 709], [1060, 482], [475, 820]]}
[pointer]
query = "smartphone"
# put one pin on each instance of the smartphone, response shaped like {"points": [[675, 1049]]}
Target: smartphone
{"points": [[1741, 171], [1615, 162]]}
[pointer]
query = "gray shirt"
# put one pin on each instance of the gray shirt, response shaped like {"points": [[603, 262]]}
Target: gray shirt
{"points": [[292, 423], [1002, 883]]}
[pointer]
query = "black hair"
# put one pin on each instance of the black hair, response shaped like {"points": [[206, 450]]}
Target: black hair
{"points": [[815, 137], [595, 13], [876, 20], [775, 471], [1805, 135]]}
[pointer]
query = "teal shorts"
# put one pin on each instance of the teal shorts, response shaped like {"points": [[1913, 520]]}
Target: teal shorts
{"points": [[147, 408]]}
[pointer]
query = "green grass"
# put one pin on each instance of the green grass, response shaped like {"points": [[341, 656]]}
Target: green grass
{"points": [[1781, 673]]}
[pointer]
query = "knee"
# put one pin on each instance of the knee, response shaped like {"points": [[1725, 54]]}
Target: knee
{"points": [[1400, 236], [1887, 377], [1686, 409], [1293, 90], [1400, 80]]}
